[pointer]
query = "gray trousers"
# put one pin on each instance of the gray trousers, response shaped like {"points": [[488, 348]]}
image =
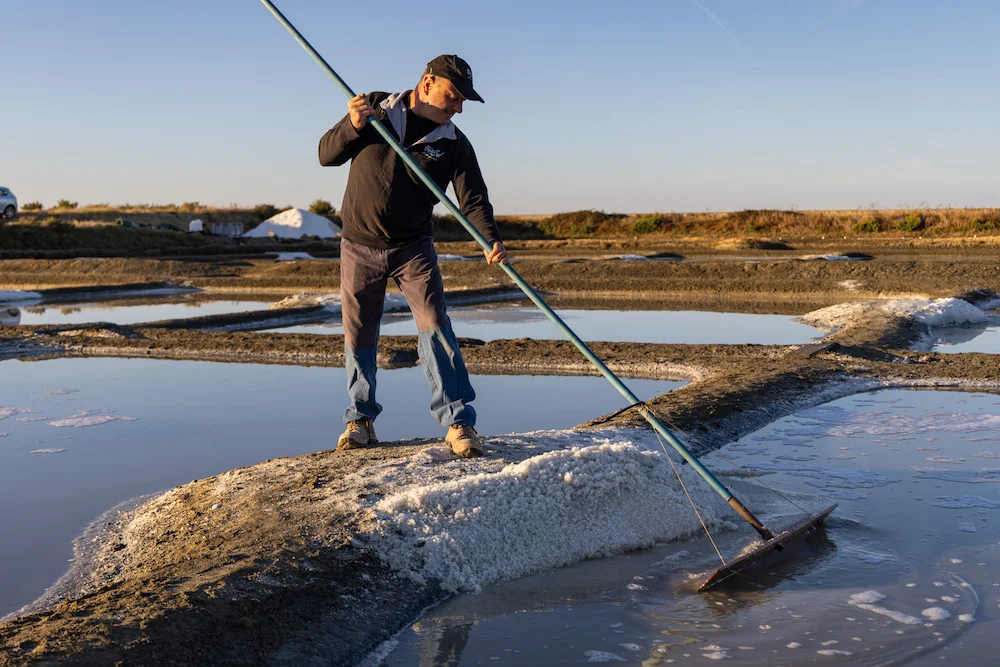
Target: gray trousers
{"points": [[364, 274]]}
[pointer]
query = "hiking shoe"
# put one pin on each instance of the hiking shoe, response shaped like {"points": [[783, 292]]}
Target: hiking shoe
{"points": [[464, 441], [359, 433]]}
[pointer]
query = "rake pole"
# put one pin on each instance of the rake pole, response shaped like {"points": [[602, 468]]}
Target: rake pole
{"points": [[633, 400]]}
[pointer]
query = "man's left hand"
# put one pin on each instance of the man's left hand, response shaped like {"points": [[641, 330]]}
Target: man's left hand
{"points": [[496, 256]]}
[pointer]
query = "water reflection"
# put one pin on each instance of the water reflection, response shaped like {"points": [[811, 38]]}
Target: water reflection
{"points": [[647, 326], [983, 338], [10, 316]]}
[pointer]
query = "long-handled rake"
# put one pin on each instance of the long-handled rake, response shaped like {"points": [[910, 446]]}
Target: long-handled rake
{"points": [[771, 542]]}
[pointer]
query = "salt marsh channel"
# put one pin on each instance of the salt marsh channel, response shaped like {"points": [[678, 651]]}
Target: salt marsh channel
{"points": [[135, 311], [656, 326]]}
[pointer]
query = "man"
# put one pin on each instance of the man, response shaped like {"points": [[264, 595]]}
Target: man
{"points": [[386, 218]]}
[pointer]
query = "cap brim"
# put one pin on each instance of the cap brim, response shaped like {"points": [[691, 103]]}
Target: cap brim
{"points": [[468, 92]]}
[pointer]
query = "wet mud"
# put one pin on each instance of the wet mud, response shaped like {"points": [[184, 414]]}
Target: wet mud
{"points": [[259, 565]]}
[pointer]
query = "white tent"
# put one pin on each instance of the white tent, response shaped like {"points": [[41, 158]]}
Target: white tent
{"points": [[294, 224], [196, 226]]}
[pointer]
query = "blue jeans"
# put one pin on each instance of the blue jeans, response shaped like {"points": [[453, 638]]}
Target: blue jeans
{"points": [[364, 274]]}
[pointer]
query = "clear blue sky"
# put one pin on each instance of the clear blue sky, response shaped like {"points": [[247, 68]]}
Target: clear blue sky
{"points": [[627, 105]]}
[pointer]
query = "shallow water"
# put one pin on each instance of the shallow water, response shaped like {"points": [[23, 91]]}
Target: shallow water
{"points": [[977, 338], [123, 312], [915, 474], [79, 436], [658, 326]]}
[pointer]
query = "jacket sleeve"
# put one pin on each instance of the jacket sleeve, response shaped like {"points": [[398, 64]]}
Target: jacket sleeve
{"points": [[473, 199], [342, 142]]}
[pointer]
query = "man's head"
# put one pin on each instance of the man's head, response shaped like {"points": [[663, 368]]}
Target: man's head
{"points": [[444, 86]]}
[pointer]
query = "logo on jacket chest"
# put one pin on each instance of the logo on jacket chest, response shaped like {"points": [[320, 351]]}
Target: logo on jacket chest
{"points": [[432, 153]]}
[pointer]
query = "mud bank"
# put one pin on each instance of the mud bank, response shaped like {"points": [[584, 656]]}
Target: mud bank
{"points": [[705, 278], [268, 564]]}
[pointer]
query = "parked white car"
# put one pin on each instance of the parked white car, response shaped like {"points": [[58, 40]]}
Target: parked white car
{"points": [[8, 203]]}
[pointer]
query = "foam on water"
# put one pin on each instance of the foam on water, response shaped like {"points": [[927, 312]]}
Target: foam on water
{"points": [[602, 656], [495, 526], [86, 418], [6, 412], [945, 459], [866, 599], [984, 476], [967, 527], [966, 502], [827, 477]]}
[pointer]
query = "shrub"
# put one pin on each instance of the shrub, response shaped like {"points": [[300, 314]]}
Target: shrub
{"points": [[32, 206], [191, 207], [978, 225], [59, 225], [65, 203], [868, 226], [321, 207], [647, 224], [911, 223], [264, 211]]}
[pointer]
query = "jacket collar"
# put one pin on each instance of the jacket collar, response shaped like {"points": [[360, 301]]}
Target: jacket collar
{"points": [[395, 107]]}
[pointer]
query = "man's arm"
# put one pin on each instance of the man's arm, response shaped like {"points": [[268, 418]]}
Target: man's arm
{"points": [[474, 202], [349, 135]]}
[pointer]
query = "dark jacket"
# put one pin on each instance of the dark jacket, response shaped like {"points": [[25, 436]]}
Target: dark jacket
{"points": [[385, 204]]}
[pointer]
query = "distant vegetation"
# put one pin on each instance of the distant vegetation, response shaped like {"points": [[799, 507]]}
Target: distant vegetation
{"points": [[759, 224], [264, 211], [868, 226], [321, 207], [911, 222], [55, 237]]}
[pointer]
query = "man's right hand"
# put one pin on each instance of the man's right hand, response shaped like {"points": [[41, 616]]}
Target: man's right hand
{"points": [[359, 109]]}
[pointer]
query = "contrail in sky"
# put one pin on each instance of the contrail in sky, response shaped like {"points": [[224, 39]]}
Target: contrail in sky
{"points": [[716, 19]]}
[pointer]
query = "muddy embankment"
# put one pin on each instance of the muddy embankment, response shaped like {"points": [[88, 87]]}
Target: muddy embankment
{"points": [[261, 564], [585, 274]]}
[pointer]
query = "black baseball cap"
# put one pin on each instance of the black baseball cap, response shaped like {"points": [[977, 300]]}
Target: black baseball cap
{"points": [[457, 71]]}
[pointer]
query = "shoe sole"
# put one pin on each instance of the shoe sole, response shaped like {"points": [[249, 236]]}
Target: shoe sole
{"points": [[468, 453], [347, 443]]}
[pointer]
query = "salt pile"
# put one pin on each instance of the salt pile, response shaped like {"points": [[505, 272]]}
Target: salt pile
{"points": [[394, 303], [547, 511], [932, 312], [294, 224], [833, 258]]}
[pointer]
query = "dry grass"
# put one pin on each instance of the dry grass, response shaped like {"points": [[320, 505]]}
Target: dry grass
{"points": [[910, 224]]}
